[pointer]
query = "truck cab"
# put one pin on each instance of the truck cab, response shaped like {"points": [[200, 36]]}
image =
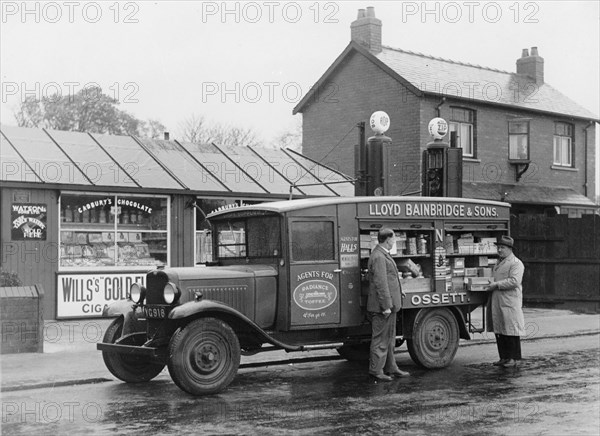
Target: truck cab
{"points": [[293, 275]]}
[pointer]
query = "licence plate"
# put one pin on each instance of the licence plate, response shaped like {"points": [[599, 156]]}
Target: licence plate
{"points": [[155, 311]]}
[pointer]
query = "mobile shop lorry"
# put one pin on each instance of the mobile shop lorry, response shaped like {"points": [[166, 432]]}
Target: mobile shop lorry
{"points": [[292, 275]]}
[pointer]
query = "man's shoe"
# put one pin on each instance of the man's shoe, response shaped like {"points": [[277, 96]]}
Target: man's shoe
{"points": [[398, 373], [500, 362], [510, 363], [381, 377]]}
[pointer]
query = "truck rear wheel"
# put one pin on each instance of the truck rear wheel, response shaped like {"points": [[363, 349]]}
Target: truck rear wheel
{"points": [[130, 369], [204, 356], [434, 339]]}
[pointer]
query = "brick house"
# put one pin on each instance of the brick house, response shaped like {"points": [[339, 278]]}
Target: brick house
{"points": [[523, 141]]}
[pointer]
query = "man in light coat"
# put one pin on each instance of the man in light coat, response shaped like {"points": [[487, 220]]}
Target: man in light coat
{"points": [[504, 308], [383, 302]]}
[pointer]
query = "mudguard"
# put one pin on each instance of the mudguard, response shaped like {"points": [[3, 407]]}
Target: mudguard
{"points": [[193, 308], [118, 308]]}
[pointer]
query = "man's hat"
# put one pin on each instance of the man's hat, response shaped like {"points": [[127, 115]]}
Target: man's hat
{"points": [[507, 241]]}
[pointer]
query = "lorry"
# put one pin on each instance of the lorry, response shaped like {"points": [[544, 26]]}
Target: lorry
{"points": [[293, 275]]}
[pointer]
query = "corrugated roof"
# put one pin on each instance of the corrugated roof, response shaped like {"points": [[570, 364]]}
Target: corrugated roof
{"points": [[76, 159], [555, 196]]}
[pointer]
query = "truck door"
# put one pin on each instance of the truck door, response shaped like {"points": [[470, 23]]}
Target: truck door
{"points": [[314, 271]]}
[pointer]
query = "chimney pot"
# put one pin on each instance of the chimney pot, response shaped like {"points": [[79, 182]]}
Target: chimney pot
{"points": [[366, 30], [166, 135], [532, 66]]}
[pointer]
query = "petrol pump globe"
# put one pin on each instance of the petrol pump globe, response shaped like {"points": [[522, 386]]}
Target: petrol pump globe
{"points": [[379, 122], [438, 128]]}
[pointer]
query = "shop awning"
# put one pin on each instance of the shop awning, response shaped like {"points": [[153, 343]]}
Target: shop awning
{"points": [[527, 194], [77, 160]]}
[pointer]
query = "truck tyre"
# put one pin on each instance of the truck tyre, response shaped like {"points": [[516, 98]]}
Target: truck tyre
{"points": [[434, 339], [204, 356], [130, 369]]}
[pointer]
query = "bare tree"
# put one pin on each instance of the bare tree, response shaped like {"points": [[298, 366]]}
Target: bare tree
{"points": [[197, 130], [291, 139], [194, 129], [153, 129]]}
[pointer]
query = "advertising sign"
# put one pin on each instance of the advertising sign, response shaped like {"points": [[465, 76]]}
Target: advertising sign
{"points": [[86, 295], [28, 221], [315, 297]]}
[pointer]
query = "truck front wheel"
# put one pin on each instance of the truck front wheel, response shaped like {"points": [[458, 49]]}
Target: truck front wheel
{"points": [[434, 339], [204, 356], [130, 369]]}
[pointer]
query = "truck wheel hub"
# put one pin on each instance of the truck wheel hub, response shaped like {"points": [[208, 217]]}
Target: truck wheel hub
{"points": [[207, 357]]}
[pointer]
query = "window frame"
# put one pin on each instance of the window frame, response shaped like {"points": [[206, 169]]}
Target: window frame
{"points": [[314, 220], [456, 125], [568, 133], [526, 135]]}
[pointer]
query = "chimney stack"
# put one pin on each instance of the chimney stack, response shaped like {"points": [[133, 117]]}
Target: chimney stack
{"points": [[166, 136], [366, 30], [531, 65]]}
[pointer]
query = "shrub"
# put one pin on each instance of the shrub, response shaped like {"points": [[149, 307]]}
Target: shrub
{"points": [[9, 278]]}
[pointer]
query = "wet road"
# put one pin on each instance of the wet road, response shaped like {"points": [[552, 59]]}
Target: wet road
{"points": [[554, 391]]}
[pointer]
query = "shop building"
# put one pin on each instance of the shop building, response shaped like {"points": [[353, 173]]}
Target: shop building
{"points": [[522, 140], [85, 215]]}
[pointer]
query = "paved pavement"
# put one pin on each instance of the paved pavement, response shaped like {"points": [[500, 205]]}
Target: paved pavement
{"points": [[70, 356]]}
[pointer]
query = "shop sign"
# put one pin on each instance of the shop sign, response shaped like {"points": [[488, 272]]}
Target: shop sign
{"points": [[28, 221], [86, 295], [428, 209]]}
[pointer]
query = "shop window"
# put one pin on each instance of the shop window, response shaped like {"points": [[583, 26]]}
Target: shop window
{"points": [[312, 241], [116, 231], [462, 123], [563, 144], [518, 140]]}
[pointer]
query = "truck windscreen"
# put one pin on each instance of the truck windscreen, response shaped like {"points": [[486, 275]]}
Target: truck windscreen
{"points": [[249, 237]]}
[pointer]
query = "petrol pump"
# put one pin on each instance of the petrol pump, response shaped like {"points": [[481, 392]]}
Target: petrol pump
{"points": [[442, 164]]}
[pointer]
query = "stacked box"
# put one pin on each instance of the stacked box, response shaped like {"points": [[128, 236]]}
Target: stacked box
{"points": [[470, 272], [477, 283], [485, 272]]}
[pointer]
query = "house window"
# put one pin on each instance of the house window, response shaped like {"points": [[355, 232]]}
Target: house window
{"points": [[518, 140], [563, 144], [462, 122]]}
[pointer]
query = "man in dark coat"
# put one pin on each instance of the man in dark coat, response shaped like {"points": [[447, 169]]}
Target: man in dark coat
{"points": [[384, 301], [504, 309]]}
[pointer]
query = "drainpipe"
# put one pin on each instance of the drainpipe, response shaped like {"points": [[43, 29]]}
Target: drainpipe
{"points": [[437, 108], [585, 157]]}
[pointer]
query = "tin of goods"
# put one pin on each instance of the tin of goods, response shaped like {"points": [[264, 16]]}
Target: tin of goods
{"points": [[412, 246], [421, 245]]}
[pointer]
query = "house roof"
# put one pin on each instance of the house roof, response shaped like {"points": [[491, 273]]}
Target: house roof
{"points": [[527, 194], [76, 160], [424, 74]]}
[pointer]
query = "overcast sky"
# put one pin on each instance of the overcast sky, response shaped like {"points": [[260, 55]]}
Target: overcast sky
{"points": [[249, 63]]}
